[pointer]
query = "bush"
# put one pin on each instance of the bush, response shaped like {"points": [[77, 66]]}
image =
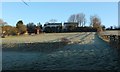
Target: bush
{"points": [[14, 31], [9, 30]]}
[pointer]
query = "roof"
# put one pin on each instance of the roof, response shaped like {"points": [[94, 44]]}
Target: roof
{"points": [[67, 23], [54, 24]]}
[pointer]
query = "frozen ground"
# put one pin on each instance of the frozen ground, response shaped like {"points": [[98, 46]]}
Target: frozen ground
{"points": [[44, 37], [86, 51]]}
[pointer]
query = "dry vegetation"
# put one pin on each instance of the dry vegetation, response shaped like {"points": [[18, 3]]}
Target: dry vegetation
{"points": [[44, 37], [45, 42]]}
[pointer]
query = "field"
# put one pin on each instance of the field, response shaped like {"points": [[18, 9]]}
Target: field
{"points": [[44, 37], [111, 32], [58, 51], [44, 41]]}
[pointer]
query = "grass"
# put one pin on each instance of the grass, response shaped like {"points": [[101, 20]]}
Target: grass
{"points": [[44, 37], [47, 42]]}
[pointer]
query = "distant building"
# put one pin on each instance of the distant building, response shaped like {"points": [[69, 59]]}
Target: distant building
{"points": [[70, 26], [52, 27], [53, 24]]}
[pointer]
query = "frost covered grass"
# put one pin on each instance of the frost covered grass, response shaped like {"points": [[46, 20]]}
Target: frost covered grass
{"points": [[33, 47], [42, 42], [44, 37], [68, 51]]}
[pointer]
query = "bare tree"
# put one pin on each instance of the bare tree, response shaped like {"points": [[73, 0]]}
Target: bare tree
{"points": [[95, 22], [91, 21], [84, 21], [80, 18], [72, 18]]}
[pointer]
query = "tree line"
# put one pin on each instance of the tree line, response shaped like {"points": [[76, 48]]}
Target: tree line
{"points": [[95, 21], [21, 28]]}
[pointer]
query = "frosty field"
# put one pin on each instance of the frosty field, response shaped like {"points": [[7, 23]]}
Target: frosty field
{"points": [[83, 51]]}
